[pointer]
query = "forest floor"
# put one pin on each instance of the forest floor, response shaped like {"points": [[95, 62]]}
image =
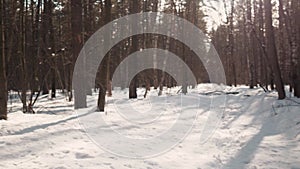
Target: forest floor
{"points": [[254, 131]]}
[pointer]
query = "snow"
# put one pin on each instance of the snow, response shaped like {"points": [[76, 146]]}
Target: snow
{"points": [[254, 131]]}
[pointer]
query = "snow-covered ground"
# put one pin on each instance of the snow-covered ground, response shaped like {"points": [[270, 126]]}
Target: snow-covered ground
{"points": [[254, 131]]}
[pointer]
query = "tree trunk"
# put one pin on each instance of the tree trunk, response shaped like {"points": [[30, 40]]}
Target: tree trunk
{"points": [[76, 22], [104, 71], [231, 48], [101, 98], [53, 50], [250, 46], [295, 5], [23, 62], [272, 53], [132, 88], [3, 82]]}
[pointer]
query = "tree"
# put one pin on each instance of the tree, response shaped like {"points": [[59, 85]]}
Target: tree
{"points": [[249, 46], [295, 45], [271, 50], [22, 49], [104, 69], [3, 81], [231, 54], [134, 8], [77, 43]]}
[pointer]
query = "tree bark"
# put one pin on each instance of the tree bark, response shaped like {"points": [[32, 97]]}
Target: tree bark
{"points": [[104, 70], [250, 46], [76, 22], [3, 80], [23, 61], [132, 87], [272, 52], [295, 48]]}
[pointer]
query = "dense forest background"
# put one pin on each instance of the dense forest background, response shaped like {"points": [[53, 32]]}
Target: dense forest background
{"points": [[258, 43]]}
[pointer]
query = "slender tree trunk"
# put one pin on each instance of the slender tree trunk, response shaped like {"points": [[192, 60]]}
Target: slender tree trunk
{"points": [[45, 67], [108, 18], [23, 56], [88, 28], [281, 47], [272, 52], [250, 46], [295, 5], [231, 48], [76, 22], [260, 40], [245, 50], [104, 71], [53, 50], [132, 88], [3, 81]]}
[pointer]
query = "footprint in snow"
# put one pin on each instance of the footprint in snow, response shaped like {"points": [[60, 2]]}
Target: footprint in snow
{"points": [[59, 168], [8, 144], [295, 168], [75, 138], [128, 165], [107, 163], [82, 156], [34, 139], [114, 158], [151, 163]]}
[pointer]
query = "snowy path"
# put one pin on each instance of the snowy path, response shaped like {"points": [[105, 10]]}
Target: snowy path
{"points": [[249, 135]]}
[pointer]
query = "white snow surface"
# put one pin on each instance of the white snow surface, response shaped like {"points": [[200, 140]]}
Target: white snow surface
{"points": [[255, 131]]}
